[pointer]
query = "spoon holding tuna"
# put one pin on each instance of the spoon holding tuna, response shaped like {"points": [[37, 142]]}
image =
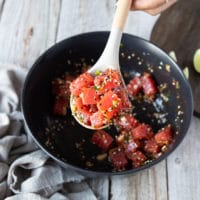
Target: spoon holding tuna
{"points": [[99, 95]]}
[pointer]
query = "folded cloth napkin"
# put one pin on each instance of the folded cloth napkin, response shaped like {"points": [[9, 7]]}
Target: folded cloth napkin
{"points": [[25, 171]]}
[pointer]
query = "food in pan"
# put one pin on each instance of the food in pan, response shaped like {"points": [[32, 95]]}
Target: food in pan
{"points": [[101, 98]]}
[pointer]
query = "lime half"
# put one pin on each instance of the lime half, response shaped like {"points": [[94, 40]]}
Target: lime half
{"points": [[196, 60]]}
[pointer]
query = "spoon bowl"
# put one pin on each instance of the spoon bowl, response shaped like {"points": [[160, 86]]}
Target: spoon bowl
{"points": [[83, 124]]}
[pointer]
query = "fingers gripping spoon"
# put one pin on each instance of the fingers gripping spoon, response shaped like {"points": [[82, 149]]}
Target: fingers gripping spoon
{"points": [[110, 56]]}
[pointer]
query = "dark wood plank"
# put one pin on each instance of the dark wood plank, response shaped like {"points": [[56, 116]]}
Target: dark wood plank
{"points": [[178, 29]]}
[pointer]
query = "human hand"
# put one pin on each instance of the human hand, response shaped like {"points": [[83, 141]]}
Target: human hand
{"points": [[152, 7]]}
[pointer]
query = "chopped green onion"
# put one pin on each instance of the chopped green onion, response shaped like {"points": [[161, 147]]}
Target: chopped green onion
{"points": [[96, 88], [167, 67], [177, 85], [114, 103], [98, 72]]}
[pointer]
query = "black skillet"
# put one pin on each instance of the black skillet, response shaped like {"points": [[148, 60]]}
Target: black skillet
{"points": [[62, 138]]}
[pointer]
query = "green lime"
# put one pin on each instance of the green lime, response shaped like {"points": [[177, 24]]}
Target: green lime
{"points": [[196, 60], [172, 54], [186, 72]]}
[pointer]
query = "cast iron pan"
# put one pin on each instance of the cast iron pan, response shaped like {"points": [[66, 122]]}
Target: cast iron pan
{"points": [[62, 138]]}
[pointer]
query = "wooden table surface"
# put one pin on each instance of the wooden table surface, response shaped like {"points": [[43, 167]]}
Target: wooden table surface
{"points": [[29, 27]]}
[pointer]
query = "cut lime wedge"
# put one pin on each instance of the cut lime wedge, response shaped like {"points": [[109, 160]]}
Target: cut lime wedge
{"points": [[196, 60], [186, 72], [172, 54]]}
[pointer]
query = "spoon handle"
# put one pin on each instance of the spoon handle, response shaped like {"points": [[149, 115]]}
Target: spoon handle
{"points": [[110, 56], [121, 13]]}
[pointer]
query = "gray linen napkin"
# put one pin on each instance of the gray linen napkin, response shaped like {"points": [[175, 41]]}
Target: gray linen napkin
{"points": [[25, 171]]}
